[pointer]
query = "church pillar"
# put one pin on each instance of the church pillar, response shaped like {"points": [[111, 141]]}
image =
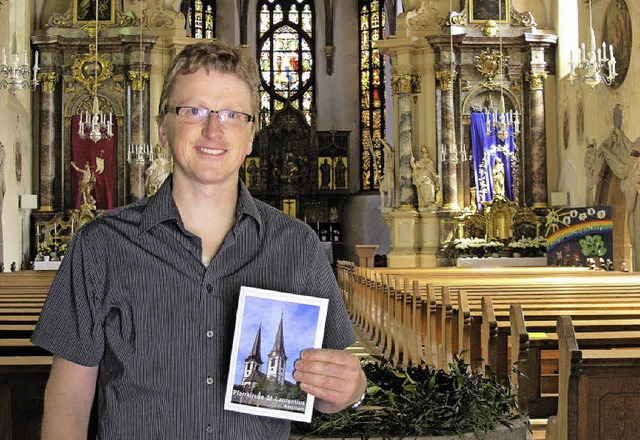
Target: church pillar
{"points": [[404, 86], [538, 139], [138, 160], [447, 78], [48, 140]]}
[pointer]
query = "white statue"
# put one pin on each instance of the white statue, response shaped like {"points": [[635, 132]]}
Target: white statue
{"points": [[498, 178], [386, 180], [157, 172], [425, 179], [621, 155]]}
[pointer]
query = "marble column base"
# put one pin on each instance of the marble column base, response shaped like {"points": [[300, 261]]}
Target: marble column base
{"points": [[414, 238]]}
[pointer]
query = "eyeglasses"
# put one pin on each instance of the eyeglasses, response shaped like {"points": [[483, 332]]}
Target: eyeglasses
{"points": [[201, 114]]}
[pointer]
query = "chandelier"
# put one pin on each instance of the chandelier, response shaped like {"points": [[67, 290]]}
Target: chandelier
{"points": [[498, 121], [138, 154], [95, 125], [15, 76], [592, 67]]}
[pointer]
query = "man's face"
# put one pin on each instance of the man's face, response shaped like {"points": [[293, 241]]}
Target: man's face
{"points": [[208, 152]]}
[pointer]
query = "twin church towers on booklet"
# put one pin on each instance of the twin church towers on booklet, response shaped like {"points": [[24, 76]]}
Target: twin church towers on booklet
{"points": [[276, 361]]}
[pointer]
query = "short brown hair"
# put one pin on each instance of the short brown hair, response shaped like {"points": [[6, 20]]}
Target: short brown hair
{"points": [[218, 56]]}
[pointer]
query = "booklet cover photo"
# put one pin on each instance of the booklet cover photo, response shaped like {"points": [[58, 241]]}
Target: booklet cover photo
{"points": [[272, 328]]}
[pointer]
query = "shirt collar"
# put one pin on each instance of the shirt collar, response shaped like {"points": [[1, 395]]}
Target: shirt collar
{"points": [[161, 207]]}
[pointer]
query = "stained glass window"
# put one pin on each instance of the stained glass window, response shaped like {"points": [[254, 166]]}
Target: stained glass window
{"points": [[201, 18], [286, 54], [372, 108]]}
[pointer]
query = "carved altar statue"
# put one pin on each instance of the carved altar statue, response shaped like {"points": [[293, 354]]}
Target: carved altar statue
{"points": [[621, 155], [87, 182], [498, 178], [157, 172], [425, 179], [386, 181]]}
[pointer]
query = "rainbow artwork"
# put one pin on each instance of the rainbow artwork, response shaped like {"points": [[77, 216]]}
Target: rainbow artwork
{"points": [[576, 234]]}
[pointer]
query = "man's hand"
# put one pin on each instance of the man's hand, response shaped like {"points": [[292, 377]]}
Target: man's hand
{"points": [[334, 377]]}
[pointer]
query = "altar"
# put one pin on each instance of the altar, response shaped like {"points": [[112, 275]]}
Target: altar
{"points": [[501, 262], [46, 265]]}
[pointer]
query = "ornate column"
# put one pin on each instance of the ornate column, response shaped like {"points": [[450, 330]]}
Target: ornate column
{"points": [[404, 85], [48, 140], [538, 139], [138, 130], [447, 78]]}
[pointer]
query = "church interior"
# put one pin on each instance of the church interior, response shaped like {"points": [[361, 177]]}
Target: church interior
{"points": [[442, 150]]}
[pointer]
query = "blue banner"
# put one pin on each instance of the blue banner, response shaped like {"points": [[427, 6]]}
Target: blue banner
{"points": [[486, 150]]}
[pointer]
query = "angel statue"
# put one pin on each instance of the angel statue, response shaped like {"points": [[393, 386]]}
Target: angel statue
{"points": [[386, 180]]}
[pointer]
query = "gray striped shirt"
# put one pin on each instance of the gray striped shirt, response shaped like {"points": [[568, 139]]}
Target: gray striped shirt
{"points": [[133, 297]]}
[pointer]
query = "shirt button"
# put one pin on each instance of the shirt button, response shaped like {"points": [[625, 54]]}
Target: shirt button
{"points": [[209, 288], [209, 429], [209, 380], [209, 333]]}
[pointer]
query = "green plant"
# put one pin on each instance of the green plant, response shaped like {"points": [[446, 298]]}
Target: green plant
{"points": [[592, 246], [420, 400]]}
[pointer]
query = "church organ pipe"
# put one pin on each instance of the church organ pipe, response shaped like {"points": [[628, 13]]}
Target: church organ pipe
{"points": [[48, 140]]}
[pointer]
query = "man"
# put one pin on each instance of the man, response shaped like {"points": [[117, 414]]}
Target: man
{"points": [[144, 304]]}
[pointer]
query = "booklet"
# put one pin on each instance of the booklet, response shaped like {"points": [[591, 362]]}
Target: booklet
{"points": [[272, 329]]}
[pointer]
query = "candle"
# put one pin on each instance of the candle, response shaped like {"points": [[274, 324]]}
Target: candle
{"points": [[35, 69], [72, 224]]}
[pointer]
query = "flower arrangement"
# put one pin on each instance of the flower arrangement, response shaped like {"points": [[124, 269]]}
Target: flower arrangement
{"points": [[476, 246], [61, 249], [53, 250], [44, 249], [529, 246]]}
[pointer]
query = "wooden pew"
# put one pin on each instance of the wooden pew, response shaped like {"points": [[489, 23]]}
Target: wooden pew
{"points": [[599, 391], [24, 368], [538, 387]]}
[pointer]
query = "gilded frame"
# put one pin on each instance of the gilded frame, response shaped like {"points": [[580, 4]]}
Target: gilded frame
{"points": [[84, 11], [481, 11], [83, 69]]}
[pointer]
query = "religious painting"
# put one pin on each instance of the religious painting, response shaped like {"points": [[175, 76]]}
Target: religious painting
{"points": [[577, 235], [84, 11], [566, 128], [340, 177], [290, 206], [484, 10], [325, 172], [18, 156], [580, 118], [617, 31]]}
